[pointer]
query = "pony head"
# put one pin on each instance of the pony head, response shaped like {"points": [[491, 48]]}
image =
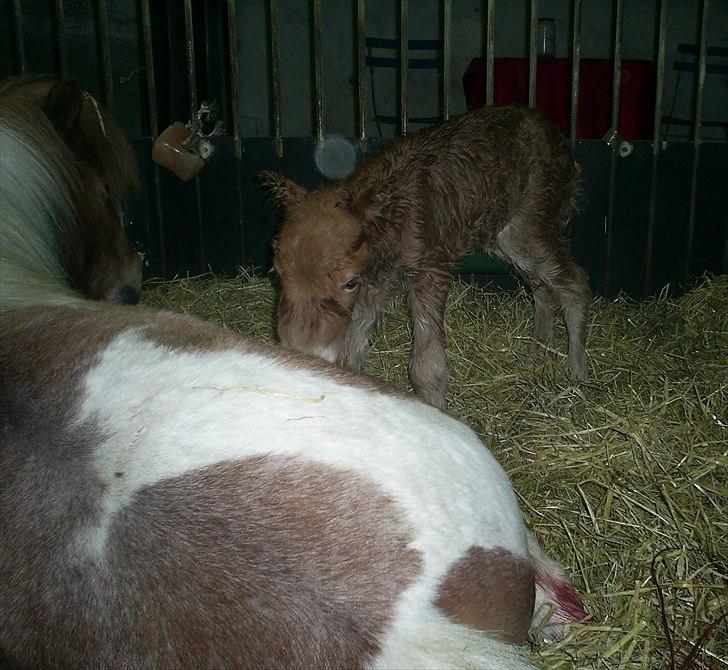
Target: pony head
{"points": [[78, 146]]}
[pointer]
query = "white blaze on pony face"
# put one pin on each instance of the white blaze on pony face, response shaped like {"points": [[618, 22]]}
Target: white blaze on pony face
{"points": [[231, 405]]}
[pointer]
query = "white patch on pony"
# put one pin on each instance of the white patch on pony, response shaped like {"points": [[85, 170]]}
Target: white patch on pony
{"points": [[165, 413], [431, 640], [34, 199]]}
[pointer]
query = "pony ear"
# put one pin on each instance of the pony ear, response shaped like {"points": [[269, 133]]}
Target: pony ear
{"points": [[63, 106], [283, 191]]}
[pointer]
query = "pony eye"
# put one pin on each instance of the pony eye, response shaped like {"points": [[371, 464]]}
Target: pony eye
{"points": [[351, 284]]}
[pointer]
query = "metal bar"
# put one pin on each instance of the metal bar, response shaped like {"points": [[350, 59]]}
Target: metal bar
{"points": [[697, 127], [60, 17], [361, 60], [617, 73], [18, 35], [575, 66], [275, 66], [659, 83], [149, 69], [318, 70], [403, 64], [532, 61], [616, 83], [190, 56], [192, 91], [103, 36], [489, 51], [446, 57], [153, 128], [235, 113]]}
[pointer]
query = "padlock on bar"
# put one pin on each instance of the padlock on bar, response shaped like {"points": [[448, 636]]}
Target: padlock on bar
{"points": [[617, 143], [173, 150]]}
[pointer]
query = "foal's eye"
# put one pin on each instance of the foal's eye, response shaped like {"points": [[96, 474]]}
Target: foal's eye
{"points": [[351, 284]]}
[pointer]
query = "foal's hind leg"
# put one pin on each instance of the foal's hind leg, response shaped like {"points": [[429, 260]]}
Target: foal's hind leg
{"points": [[572, 288], [545, 304], [529, 246]]}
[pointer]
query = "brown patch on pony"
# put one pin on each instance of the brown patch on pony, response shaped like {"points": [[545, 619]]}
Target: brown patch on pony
{"points": [[491, 590], [261, 563]]}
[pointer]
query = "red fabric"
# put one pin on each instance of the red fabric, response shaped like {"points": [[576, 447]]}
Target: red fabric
{"points": [[553, 93]]}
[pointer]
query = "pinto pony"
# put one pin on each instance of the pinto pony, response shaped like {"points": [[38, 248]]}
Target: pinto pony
{"points": [[498, 179], [173, 495]]}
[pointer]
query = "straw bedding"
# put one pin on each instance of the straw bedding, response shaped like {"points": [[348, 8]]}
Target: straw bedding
{"points": [[623, 480]]}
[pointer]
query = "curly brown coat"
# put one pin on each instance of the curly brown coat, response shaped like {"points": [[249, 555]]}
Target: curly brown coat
{"points": [[498, 179]]}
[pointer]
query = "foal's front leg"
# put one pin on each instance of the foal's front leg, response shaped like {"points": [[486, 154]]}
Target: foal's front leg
{"points": [[428, 367], [369, 303]]}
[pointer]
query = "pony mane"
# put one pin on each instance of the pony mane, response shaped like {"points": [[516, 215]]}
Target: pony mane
{"points": [[38, 183], [108, 149]]}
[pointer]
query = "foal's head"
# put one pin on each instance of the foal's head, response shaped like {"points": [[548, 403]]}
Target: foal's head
{"points": [[321, 257], [102, 264], [96, 254]]}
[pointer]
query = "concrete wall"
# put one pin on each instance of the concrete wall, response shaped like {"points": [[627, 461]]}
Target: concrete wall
{"points": [[424, 100]]}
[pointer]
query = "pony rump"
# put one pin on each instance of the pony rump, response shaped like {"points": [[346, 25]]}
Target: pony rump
{"points": [[37, 208]]}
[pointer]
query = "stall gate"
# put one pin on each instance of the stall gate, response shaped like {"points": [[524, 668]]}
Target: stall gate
{"points": [[654, 213]]}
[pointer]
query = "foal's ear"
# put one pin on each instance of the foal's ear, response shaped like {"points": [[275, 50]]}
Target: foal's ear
{"points": [[367, 204], [63, 106], [283, 191]]}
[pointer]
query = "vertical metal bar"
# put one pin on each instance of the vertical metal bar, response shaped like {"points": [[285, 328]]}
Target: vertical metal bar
{"points": [[192, 90], [190, 55], [697, 127], [403, 64], [153, 127], [149, 69], [361, 60], [318, 70], [103, 36], [659, 83], [18, 35], [532, 61], [489, 52], [616, 84], [235, 113], [208, 93], [575, 66], [275, 66], [60, 18], [446, 55], [617, 73]]}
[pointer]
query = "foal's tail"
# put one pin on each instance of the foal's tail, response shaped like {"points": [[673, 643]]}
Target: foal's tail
{"points": [[557, 603]]}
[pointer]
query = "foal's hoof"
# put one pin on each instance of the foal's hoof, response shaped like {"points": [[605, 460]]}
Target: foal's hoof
{"points": [[538, 350], [580, 372]]}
